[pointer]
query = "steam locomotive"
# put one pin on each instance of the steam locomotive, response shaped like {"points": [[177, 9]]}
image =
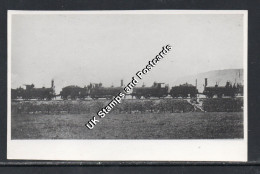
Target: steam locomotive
{"points": [[98, 91], [30, 92], [220, 91]]}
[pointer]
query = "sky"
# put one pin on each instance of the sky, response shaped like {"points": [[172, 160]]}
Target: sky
{"points": [[77, 49]]}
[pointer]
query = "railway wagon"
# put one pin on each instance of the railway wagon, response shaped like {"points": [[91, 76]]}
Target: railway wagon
{"points": [[156, 90], [73, 92], [185, 90], [98, 91]]}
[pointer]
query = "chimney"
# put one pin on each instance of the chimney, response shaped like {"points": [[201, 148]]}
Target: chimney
{"points": [[206, 82], [122, 83], [196, 83], [52, 83]]}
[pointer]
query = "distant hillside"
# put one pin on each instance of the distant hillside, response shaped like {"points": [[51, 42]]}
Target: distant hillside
{"points": [[216, 76]]}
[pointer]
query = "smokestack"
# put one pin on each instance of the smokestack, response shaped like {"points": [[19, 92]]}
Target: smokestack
{"points": [[196, 83], [122, 83], [206, 82], [52, 83]]}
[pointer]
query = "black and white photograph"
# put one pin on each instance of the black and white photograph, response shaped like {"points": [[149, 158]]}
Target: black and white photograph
{"points": [[164, 85]]}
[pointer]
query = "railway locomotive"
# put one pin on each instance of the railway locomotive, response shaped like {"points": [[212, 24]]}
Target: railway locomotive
{"points": [[220, 91], [94, 90], [157, 90], [17, 93], [30, 92], [98, 91], [185, 90], [240, 89]]}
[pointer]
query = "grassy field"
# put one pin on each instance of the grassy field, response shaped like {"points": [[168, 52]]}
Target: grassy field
{"points": [[186, 125]]}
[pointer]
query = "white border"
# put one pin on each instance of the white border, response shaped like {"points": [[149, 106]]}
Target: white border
{"points": [[129, 150]]}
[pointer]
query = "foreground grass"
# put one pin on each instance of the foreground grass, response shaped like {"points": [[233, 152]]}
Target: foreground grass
{"points": [[191, 125]]}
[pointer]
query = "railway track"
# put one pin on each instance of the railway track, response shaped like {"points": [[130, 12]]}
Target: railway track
{"points": [[129, 98]]}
